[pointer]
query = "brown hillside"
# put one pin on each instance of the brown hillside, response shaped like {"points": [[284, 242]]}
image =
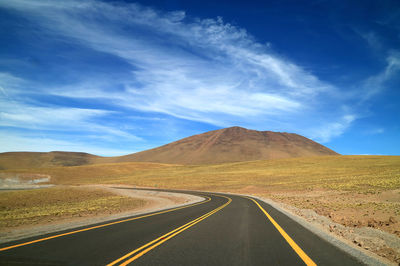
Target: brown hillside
{"points": [[15, 160], [231, 145]]}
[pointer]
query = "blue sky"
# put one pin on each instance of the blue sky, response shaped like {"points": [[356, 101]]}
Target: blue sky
{"points": [[114, 77]]}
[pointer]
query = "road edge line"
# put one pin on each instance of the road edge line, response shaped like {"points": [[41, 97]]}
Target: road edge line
{"points": [[306, 259]]}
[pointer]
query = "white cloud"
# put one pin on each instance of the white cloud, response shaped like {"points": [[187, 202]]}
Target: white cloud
{"points": [[9, 83], [375, 84], [375, 131], [327, 131], [371, 38], [9, 79], [197, 69], [19, 115]]}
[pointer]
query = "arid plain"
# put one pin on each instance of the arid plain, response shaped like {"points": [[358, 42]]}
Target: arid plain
{"points": [[356, 198]]}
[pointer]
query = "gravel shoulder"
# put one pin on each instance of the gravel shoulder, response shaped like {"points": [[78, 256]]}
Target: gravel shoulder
{"points": [[347, 239], [355, 241], [154, 201]]}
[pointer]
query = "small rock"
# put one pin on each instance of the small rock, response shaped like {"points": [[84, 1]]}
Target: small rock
{"points": [[371, 223], [359, 242]]}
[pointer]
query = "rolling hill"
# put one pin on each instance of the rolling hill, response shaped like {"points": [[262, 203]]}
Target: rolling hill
{"points": [[16, 160], [234, 144]]}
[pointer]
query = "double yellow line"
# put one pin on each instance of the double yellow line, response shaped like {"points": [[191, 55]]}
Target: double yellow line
{"points": [[137, 253], [103, 225]]}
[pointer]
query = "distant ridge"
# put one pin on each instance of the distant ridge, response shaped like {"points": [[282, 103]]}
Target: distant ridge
{"points": [[233, 144], [18, 160]]}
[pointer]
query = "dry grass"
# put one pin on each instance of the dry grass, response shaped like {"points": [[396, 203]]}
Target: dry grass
{"points": [[366, 174], [28, 207], [349, 178], [326, 184]]}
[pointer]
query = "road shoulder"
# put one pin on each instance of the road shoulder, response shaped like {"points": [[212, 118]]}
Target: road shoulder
{"points": [[316, 226], [155, 201]]}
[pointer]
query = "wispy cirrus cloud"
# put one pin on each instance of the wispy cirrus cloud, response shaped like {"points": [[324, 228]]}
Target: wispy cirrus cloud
{"points": [[20, 115], [197, 69], [56, 118], [376, 83], [203, 70], [327, 131], [9, 141]]}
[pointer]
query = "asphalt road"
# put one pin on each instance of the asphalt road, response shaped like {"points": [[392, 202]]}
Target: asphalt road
{"points": [[223, 230]]}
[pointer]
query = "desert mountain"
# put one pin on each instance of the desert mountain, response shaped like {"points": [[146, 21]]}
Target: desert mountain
{"points": [[231, 145]]}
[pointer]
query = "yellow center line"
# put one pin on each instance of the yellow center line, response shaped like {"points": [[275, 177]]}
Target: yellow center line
{"points": [[148, 244], [103, 225], [307, 260], [158, 241]]}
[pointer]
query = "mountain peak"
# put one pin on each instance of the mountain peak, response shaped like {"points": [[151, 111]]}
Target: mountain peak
{"points": [[231, 144], [235, 128]]}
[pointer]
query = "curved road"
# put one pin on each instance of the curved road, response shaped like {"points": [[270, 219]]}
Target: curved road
{"points": [[222, 230]]}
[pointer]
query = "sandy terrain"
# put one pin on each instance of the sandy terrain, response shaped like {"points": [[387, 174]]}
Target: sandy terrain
{"points": [[155, 201]]}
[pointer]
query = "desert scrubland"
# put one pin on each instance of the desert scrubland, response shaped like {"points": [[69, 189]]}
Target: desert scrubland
{"points": [[353, 192]]}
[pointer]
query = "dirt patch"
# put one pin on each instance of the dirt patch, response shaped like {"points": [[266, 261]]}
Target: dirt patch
{"points": [[154, 200], [145, 201], [15, 181]]}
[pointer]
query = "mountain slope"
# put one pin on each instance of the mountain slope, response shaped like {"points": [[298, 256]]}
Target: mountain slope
{"points": [[231, 145]]}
